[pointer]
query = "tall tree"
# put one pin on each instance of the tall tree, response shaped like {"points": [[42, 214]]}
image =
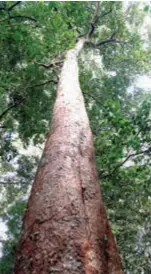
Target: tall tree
{"points": [[28, 98], [65, 228]]}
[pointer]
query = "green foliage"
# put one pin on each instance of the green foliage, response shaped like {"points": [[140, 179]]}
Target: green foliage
{"points": [[13, 221], [34, 33], [125, 137]]}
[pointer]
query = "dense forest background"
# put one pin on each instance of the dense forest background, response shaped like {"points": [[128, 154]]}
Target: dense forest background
{"points": [[34, 38]]}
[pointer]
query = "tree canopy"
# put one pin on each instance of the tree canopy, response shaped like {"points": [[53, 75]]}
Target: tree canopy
{"points": [[35, 37]]}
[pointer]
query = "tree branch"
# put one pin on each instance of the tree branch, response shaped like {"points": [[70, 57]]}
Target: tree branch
{"points": [[107, 41], [42, 84], [94, 20], [106, 13], [20, 17], [25, 98], [3, 8], [51, 65], [110, 40], [92, 29], [10, 107], [92, 24], [10, 17], [13, 5], [147, 151]]}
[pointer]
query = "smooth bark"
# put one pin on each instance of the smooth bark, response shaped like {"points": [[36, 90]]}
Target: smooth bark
{"points": [[65, 229]]}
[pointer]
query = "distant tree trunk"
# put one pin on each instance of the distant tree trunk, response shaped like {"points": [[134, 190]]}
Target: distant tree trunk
{"points": [[65, 228]]}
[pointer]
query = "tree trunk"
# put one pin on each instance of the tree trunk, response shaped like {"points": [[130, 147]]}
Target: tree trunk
{"points": [[65, 229]]}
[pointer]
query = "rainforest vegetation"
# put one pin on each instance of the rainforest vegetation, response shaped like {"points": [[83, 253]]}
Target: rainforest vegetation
{"points": [[114, 64]]}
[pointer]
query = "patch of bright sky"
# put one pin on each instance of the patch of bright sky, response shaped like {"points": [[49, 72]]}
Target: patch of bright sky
{"points": [[144, 82], [3, 230], [3, 236]]}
